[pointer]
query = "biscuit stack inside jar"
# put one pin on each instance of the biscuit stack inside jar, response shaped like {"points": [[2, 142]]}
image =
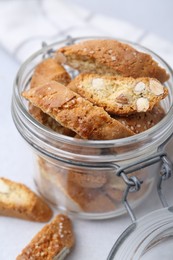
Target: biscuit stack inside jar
{"points": [[116, 94]]}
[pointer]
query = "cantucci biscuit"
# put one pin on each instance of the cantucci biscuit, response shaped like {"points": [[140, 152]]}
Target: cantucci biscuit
{"points": [[112, 57], [119, 95], [76, 113], [78, 194], [54, 241], [91, 200], [49, 122], [90, 180], [48, 70], [140, 122], [17, 200]]}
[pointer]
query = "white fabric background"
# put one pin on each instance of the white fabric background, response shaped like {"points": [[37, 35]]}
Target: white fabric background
{"points": [[34, 21]]}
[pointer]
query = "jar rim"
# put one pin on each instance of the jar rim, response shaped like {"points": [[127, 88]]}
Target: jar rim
{"points": [[159, 127]]}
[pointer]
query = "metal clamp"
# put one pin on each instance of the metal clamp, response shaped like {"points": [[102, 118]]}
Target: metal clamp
{"points": [[134, 184], [47, 52]]}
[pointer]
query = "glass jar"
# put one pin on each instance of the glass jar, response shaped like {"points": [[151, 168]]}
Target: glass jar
{"points": [[85, 177]]}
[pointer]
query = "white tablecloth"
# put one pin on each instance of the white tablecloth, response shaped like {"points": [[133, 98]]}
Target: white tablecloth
{"points": [[23, 26]]}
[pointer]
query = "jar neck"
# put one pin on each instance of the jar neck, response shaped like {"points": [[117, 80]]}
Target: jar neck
{"points": [[65, 148], [61, 147]]}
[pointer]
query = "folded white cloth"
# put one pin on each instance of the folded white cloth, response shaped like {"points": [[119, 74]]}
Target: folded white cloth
{"points": [[24, 25]]}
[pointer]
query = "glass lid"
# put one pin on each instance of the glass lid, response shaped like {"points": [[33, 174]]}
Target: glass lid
{"points": [[150, 237], [141, 239]]}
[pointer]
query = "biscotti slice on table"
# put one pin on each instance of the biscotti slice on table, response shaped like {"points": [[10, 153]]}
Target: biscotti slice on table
{"points": [[44, 72], [112, 57], [119, 95], [17, 200], [53, 242], [76, 113]]}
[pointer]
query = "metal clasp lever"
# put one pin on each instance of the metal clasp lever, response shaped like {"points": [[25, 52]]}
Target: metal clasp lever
{"points": [[165, 173], [134, 184]]}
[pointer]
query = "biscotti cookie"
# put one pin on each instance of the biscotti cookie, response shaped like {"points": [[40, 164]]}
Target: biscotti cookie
{"points": [[76, 113], [17, 200], [91, 200], [49, 122], [87, 180], [91, 179], [119, 95], [111, 57], [140, 122], [48, 70], [54, 241], [55, 190], [74, 194]]}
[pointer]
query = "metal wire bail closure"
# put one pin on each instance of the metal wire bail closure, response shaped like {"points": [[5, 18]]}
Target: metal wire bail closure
{"points": [[149, 230]]}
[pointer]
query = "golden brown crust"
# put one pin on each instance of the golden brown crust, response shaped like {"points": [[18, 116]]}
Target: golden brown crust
{"points": [[76, 113], [17, 200], [112, 57], [44, 72], [48, 70], [48, 121], [119, 95], [140, 122], [54, 239]]}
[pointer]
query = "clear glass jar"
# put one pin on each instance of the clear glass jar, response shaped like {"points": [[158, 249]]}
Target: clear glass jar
{"points": [[80, 176]]}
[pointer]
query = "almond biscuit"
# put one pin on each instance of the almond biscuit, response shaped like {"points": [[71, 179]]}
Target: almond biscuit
{"points": [[111, 57], [119, 95], [54, 241], [72, 195], [91, 200], [46, 71], [76, 113], [17, 200], [140, 122]]}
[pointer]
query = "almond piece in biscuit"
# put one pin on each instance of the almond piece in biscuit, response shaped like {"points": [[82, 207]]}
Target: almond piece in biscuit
{"points": [[119, 95], [54, 241], [76, 113], [111, 57], [17, 200]]}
